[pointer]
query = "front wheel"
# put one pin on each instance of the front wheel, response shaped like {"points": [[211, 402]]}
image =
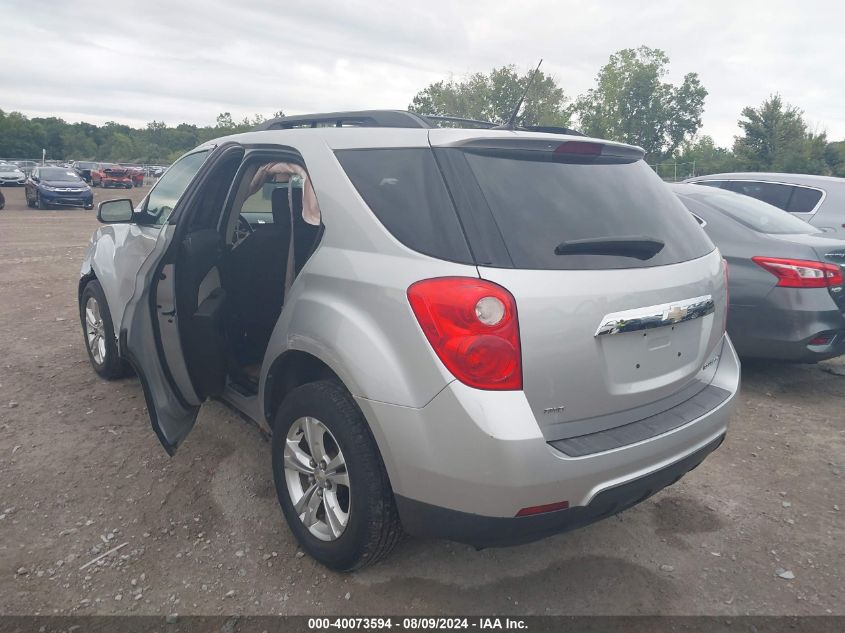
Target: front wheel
{"points": [[39, 202], [99, 333], [330, 479]]}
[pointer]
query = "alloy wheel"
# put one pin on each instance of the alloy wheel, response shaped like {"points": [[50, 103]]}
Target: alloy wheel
{"points": [[317, 479], [95, 331]]}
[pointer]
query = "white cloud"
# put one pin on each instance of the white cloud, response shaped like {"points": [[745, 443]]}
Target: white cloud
{"points": [[190, 60]]}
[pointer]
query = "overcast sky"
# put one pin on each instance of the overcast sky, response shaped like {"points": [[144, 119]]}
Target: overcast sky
{"points": [[187, 61]]}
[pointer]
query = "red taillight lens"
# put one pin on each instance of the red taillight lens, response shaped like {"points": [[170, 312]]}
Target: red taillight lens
{"points": [[799, 273], [581, 148], [473, 328]]}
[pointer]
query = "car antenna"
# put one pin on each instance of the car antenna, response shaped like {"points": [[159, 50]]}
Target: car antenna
{"points": [[511, 124]]}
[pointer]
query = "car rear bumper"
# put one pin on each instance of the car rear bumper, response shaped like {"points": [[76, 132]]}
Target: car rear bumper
{"points": [[423, 519], [784, 325], [478, 458]]}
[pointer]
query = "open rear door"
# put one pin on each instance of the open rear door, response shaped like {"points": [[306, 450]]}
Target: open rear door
{"points": [[149, 335]]}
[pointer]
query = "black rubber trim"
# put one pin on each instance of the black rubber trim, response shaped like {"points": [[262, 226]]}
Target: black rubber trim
{"points": [[700, 404], [426, 520]]}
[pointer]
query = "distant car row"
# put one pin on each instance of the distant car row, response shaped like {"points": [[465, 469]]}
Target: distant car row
{"points": [[84, 168]]}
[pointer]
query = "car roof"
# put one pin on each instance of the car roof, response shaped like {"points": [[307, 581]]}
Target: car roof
{"points": [[374, 137], [797, 179]]}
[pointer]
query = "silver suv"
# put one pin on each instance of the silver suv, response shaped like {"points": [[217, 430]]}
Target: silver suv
{"points": [[482, 335]]}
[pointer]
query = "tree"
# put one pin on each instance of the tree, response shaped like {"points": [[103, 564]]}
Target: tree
{"points": [[775, 138], [702, 156], [632, 103], [492, 97]]}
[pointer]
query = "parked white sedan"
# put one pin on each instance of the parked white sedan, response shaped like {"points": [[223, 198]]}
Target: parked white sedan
{"points": [[11, 175]]}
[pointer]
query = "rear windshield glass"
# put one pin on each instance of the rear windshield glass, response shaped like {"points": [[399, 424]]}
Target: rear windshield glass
{"points": [[752, 213], [405, 190], [540, 202]]}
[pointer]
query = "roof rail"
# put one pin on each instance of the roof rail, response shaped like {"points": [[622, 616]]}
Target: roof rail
{"points": [[362, 118], [390, 118]]}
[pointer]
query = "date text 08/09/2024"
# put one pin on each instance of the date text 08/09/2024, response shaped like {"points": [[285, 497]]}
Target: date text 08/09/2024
{"points": [[416, 623]]}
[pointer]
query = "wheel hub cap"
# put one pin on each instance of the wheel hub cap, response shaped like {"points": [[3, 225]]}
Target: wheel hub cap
{"points": [[95, 331], [316, 478]]}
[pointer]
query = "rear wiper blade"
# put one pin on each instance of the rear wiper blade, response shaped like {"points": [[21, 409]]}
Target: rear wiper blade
{"points": [[636, 246]]}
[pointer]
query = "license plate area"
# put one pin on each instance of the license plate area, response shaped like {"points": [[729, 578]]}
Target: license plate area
{"points": [[647, 359]]}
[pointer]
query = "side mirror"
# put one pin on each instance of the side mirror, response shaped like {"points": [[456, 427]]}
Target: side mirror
{"points": [[35, 179], [115, 211]]}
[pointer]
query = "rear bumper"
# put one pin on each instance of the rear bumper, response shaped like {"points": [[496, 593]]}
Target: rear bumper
{"points": [[782, 327], [483, 456], [422, 519]]}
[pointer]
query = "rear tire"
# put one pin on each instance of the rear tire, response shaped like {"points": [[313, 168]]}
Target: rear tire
{"points": [[98, 333], [372, 528]]}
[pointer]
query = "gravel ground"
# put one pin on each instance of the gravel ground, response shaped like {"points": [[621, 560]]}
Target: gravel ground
{"points": [[757, 529]]}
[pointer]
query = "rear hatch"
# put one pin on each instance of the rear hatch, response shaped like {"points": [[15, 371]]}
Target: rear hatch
{"points": [[620, 295]]}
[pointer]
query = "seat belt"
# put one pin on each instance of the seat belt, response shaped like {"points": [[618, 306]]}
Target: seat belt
{"points": [[290, 272]]}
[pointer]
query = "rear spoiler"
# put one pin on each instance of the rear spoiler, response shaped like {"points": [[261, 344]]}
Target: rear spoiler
{"points": [[576, 146]]}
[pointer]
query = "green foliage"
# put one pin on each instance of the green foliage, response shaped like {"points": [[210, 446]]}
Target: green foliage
{"points": [[631, 103], [702, 156], [775, 138], [492, 97], [22, 137]]}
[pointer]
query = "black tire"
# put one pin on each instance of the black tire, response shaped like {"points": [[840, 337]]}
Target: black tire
{"points": [[112, 367], [39, 203], [373, 528]]}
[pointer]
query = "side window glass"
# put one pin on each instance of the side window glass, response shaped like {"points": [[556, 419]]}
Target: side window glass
{"points": [[804, 200], [170, 188], [773, 193]]}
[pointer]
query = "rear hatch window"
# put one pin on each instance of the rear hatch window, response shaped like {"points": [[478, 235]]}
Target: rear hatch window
{"points": [[562, 213]]}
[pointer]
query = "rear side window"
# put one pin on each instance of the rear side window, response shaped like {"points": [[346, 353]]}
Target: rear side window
{"points": [[754, 214], [405, 190], [771, 192], [540, 202], [803, 200]]}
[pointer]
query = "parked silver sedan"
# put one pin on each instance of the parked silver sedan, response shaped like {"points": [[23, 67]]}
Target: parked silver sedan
{"points": [[786, 279], [11, 175], [819, 200]]}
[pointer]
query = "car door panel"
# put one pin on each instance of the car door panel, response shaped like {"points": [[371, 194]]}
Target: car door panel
{"points": [[150, 338]]}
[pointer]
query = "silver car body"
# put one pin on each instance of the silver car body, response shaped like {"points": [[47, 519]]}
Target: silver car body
{"points": [[826, 212], [596, 411], [11, 175]]}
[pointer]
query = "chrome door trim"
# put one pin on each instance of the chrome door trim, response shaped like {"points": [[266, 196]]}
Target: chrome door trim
{"points": [[656, 316]]}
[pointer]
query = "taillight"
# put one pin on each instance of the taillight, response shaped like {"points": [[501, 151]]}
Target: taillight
{"points": [[582, 148], [799, 273], [473, 328]]}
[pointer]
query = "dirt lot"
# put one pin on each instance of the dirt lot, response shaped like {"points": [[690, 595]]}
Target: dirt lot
{"points": [[81, 472]]}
